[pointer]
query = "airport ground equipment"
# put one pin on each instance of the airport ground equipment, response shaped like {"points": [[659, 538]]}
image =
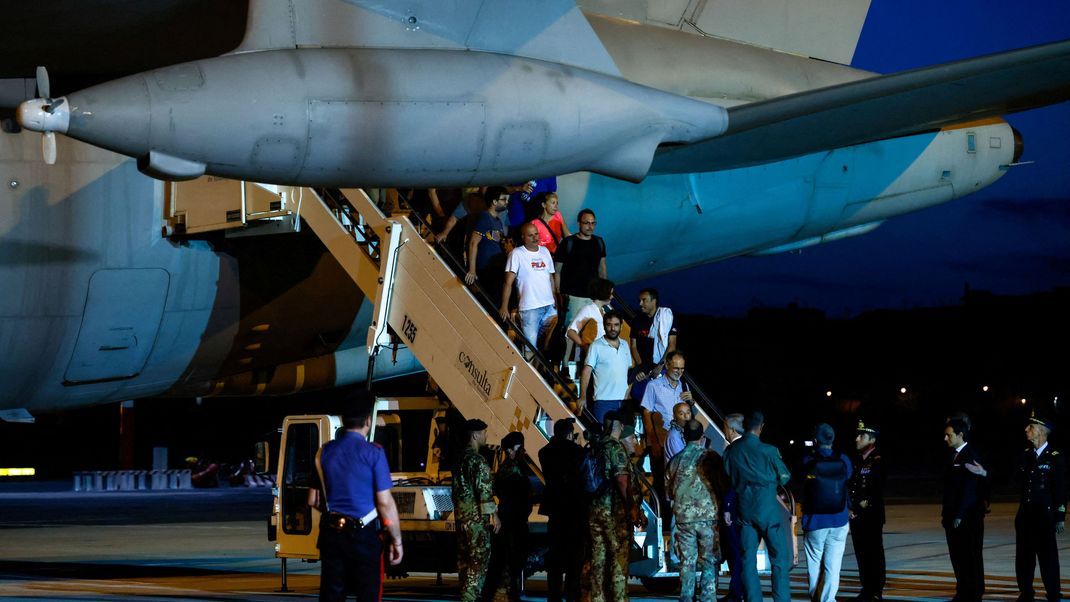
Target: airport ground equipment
{"points": [[480, 363]]}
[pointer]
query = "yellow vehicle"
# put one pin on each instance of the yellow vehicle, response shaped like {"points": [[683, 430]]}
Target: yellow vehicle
{"points": [[414, 432]]}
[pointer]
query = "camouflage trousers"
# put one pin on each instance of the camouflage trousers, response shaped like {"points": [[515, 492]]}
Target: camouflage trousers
{"points": [[696, 546], [605, 574], [473, 557]]}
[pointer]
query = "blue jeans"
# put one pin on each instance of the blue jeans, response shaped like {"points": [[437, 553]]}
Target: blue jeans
{"points": [[602, 407], [534, 322]]}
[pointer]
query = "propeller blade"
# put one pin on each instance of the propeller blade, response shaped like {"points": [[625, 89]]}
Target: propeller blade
{"points": [[48, 147], [44, 90], [51, 108]]}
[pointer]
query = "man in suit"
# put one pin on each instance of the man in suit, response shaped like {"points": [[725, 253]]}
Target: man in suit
{"points": [[964, 511]]}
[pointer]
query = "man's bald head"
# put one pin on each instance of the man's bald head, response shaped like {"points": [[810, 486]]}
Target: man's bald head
{"points": [[681, 413]]}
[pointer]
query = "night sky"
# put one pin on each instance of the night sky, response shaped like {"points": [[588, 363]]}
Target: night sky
{"points": [[1010, 238]]}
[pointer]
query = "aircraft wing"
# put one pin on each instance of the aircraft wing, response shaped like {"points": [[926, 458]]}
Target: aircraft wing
{"points": [[880, 107]]}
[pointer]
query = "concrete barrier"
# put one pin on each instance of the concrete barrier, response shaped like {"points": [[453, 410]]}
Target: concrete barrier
{"points": [[131, 480]]}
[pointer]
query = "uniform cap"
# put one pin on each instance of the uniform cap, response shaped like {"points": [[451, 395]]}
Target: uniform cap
{"points": [[868, 428], [512, 439], [475, 425], [1042, 420]]}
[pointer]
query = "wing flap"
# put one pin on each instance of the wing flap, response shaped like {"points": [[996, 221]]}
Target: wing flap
{"points": [[878, 108]]}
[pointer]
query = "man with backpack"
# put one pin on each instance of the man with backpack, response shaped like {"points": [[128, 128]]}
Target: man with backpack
{"points": [[614, 509], [825, 514]]}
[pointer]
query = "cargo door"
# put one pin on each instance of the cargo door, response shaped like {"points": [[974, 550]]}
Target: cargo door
{"points": [[122, 316]]}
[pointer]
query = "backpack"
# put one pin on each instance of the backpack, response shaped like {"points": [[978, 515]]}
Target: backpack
{"points": [[566, 245], [825, 491], [593, 482]]}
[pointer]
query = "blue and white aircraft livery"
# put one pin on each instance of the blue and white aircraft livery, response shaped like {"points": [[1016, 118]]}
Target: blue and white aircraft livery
{"points": [[722, 129]]}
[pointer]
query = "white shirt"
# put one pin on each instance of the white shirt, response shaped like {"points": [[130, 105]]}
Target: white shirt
{"points": [[589, 312], [533, 277], [609, 367], [1040, 449]]}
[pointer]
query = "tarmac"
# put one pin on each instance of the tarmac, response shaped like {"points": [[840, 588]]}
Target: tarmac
{"points": [[212, 545]]}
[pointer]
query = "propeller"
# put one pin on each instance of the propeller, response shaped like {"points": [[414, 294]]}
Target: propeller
{"points": [[46, 115]]}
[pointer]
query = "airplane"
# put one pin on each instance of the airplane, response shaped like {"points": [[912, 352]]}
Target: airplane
{"points": [[711, 125]]}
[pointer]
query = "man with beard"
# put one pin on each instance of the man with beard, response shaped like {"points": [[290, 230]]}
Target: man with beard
{"points": [[608, 360]]}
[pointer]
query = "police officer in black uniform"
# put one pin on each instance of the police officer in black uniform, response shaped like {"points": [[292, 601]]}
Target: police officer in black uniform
{"points": [[866, 489], [1042, 511], [356, 482]]}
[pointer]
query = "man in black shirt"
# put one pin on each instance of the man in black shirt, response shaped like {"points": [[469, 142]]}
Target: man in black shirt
{"points": [[579, 259]]}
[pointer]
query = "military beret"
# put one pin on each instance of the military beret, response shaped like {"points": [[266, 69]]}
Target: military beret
{"points": [[1042, 420], [512, 439], [868, 428], [475, 425]]}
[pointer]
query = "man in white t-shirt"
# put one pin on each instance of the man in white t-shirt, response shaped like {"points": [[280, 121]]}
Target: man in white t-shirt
{"points": [[532, 267], [601, 294]]}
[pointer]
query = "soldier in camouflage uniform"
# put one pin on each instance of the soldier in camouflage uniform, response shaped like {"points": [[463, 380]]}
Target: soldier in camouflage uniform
{"points": [[690, 484], [475, 513], [612, 514]]}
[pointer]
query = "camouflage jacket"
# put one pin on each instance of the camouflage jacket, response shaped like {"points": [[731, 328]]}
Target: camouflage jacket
{"points": [[688, 481], [615, 460], [473, 488]]}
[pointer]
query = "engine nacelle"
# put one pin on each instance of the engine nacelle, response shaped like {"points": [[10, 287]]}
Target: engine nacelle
{"points": [[387, 117]]}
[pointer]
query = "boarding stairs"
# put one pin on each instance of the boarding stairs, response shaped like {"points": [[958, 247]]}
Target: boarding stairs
{"points": [[421, 301], [483, 364]]}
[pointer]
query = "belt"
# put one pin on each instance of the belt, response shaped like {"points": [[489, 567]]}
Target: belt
{"points": [[345, 523], [367, 519]]}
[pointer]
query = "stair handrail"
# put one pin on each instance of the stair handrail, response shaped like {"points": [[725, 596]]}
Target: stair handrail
{"points": [[542, 365]]}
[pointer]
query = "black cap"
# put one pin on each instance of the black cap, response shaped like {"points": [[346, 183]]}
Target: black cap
{"points": [[1042, 420], [512, 439], [475, 425], [869, 428]]}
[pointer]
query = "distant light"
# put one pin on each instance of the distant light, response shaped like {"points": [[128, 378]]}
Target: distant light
{"points": [[828, 393], [902, 390], [17, 472], [1055, 401], [1023, 401], [985, 388], [791, 442]]}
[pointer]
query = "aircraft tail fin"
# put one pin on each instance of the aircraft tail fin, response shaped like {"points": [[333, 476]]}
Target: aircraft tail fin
{"points": [[551, 30]]}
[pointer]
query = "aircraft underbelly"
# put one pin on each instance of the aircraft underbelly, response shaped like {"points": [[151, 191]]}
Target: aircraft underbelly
{"points": [[670, 222]]}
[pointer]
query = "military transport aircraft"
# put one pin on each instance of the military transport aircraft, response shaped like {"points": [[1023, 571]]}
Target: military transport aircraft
{"points": [[722, 128]]}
